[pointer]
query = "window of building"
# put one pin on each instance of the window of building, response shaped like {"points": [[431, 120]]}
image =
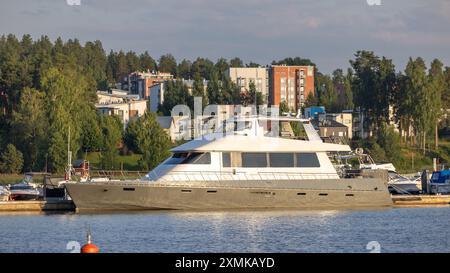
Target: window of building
{"points": [[281, 160], [226, 160], [307, 160], [254, 160]]}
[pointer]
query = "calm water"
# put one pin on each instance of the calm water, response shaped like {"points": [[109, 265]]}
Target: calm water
{"points": [[396, 230]]}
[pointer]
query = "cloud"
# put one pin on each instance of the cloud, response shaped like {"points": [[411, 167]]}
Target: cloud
{"points": [[327, 31]]}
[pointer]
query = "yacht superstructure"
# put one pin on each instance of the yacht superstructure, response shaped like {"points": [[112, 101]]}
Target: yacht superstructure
{"points": [[243, 164]]}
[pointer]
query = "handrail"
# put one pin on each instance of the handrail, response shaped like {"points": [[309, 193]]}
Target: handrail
{"points": [[227, 176]]}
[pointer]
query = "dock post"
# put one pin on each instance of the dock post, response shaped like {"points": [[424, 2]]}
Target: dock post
{"points": [[424, 180]]}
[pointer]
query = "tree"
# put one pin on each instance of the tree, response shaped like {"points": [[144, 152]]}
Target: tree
{"points": [[221, 66], [236, 62], [147, 62], [11, 160], [176, 93], [198, 90], [213, 90], [168, 64], [133, 62], [419, 98], [284, 108], [130, 136], [150, 140], [328, 94], [66, 92], [389, 140], [204, 67], [252, 96], [373, 84], [445, 96], [348, 92], [311, 100], [111, 129], [91, 134], [96, 63], [437, 86], [185, 69], [29, 125]]}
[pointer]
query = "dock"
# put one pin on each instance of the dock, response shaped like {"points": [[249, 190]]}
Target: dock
{"points": [[49, 205], [420, 200]]}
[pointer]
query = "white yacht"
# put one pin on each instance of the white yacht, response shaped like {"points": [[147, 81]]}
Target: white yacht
{"points": [[247, 168]]}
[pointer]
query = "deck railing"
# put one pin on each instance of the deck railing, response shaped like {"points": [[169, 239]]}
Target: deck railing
{"points": [[230, 176]]}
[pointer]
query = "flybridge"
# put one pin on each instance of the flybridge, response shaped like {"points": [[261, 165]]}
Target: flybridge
{"points": [[261, 133]]}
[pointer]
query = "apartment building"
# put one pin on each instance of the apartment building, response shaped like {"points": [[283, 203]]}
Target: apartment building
{"points": [[344, 118], [291, 84], [243, 76], [126, 107], [139, 83]]}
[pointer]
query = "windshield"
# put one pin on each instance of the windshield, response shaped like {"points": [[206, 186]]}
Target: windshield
{"points": [[189, 158]]}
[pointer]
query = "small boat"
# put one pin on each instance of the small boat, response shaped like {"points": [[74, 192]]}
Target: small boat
{"points": [[25, 190], [4, 194], [440, 182], [367, 162], [399, 184]]}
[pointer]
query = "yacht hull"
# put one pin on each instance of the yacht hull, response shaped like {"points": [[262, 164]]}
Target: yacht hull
{"points": [[211, 195]]}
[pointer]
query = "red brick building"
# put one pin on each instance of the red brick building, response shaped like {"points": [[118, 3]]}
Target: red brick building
{"points": [[291, 84]]}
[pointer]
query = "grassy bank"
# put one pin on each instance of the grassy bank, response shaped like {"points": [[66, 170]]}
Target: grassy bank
{"points": [[10, 178], [128, 162]]}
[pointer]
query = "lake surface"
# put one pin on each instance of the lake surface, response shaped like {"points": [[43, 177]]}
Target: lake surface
{"points": [[386, 230]]}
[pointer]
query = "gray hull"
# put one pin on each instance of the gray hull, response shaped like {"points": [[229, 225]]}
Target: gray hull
{"points": [[329, 193]]}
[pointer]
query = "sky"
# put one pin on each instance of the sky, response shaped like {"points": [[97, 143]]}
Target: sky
{"points": [[325, 31]]}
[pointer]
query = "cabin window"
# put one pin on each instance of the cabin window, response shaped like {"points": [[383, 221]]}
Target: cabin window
{"points": [[189, 158], [307, 160], [226, 160], [254, 160], [177, 158], [198, 158], [281, 160]]}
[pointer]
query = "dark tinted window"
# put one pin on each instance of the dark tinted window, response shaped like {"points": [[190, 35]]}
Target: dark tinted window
{"points": [[226, 160], [254, 160], [177, 158], [281, 160], [307, 160]]}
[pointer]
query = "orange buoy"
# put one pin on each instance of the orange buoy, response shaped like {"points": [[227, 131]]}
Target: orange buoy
{"points": [[89, 247]]}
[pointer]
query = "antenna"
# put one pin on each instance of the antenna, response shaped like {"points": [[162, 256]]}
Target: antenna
{"points": [[69, 158]]}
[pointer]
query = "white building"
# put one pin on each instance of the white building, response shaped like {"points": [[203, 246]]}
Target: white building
{"points": [[126, 107], [345, 118]]}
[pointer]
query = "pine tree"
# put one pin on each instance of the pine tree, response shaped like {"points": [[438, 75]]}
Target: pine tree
{"points": [[11, 160]]}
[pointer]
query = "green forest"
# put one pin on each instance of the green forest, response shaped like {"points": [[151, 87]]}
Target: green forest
{"points": [[47, 87]]}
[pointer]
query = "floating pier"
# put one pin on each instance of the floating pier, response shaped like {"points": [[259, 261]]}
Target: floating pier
{"points": [[49, 205], [420, 200]]}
